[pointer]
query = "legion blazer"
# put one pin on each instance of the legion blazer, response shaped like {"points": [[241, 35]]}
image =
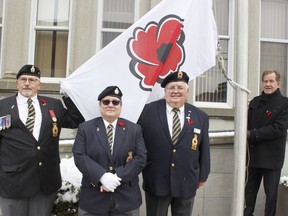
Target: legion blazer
{"points": [[175, 169], [28, 166], [93, 158]]}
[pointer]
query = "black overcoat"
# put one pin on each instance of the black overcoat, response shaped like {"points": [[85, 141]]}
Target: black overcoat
{"points": [[267, 123]]}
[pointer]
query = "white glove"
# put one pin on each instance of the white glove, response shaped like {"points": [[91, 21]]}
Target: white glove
{"points": [[110, 181]]}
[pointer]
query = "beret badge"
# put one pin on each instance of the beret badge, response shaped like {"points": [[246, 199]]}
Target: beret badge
{"points": [[116, 91], [32, 69], [180, 75]]}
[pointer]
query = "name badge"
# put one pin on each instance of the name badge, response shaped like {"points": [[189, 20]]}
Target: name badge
{"points": [[197, 131]]}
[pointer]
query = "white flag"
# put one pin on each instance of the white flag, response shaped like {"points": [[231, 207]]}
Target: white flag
{"points": [[174, 35]]}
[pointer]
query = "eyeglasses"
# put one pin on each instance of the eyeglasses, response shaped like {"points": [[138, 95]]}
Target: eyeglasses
{"points": [[179, 89], [114, 102], [30, 80]]}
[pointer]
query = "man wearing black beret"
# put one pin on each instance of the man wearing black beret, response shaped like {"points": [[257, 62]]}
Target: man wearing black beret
{"points": [[30, 127], [178, 153], [110, 152]]}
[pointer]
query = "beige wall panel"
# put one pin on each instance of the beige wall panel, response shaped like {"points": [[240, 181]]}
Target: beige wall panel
{"points": [[16, 28], [83, 32]]}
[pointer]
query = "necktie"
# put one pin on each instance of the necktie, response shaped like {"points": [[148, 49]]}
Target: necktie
{"points": [[31, 116], [176, 128], [110, 136]]}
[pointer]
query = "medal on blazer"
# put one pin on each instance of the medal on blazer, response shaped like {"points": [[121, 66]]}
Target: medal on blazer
{"points": [[130, 156], [5, 122], [54, 119], [194, 142]]}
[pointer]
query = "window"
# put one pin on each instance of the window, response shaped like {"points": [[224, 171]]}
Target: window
{"points": [[212, 86], [51, 37], [274, 38], [116, 16]]}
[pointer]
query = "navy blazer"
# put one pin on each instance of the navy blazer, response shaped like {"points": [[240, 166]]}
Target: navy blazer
{"points": [[28, 166], [175, 169], [93, 158]]}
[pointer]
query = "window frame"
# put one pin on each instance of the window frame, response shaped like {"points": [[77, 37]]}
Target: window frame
{"points": [[274, 41], [100, 28], [32, 40], [229, 66]]}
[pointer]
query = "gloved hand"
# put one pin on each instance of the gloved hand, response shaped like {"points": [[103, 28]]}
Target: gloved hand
{"points": [[110, 181]]}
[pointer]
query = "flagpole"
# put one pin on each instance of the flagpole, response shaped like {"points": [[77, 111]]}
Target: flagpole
{"points": [[240, 121]]}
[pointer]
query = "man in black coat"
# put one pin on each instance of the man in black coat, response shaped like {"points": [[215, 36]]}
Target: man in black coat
{"points": [[110, 153], [267, 131], [29, 146], [178, 161]]}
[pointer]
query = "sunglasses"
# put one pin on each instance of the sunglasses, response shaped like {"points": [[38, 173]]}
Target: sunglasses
{"points": [[114, 102]]}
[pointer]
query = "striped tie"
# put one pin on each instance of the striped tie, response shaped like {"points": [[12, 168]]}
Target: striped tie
{"points": [[31, 116], [176, 129], [110, 136]]}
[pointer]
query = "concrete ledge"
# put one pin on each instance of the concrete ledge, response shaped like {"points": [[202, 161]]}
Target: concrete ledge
{"points": [[221, 137]]}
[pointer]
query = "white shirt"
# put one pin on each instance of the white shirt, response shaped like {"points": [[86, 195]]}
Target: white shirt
{"points": [[23, 112], [114, 128], [170, 115]]}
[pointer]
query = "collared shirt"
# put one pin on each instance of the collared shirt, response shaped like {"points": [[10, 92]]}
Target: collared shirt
{"points": [[170, 115], [23, 112], [114, 129]]}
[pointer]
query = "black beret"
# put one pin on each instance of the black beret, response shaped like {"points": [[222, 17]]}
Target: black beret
{"points": [[175, 77], [110, 91], [30, 70]]}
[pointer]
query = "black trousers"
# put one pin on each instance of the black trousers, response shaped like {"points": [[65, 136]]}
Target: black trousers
{"points": [[270, 182], [158, 206]]}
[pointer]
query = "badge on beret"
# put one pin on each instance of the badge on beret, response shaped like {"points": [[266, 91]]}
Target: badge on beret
{"points": [[116, 91], [32, 69], [180, 75]]}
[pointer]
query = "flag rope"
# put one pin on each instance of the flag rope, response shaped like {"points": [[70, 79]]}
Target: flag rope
{"points": [[220, 60], [221, 65]]}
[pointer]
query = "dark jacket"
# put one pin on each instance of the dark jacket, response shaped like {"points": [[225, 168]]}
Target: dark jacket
{"points": [[93, 158], [175, 169], [28, 166], [267, 124]]}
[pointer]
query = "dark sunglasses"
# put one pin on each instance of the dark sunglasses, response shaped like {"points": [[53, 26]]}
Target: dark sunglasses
{"points": [[114, 102]]}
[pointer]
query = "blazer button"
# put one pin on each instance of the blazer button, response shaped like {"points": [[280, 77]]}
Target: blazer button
{"points": [[40, 163], [38, 147], [172, 165], [174, 150]]}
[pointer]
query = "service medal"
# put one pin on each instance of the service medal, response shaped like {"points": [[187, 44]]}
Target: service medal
{"points": [[130, 156], [194, 142], [8, 121], [54, 119], [55, 130]]}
